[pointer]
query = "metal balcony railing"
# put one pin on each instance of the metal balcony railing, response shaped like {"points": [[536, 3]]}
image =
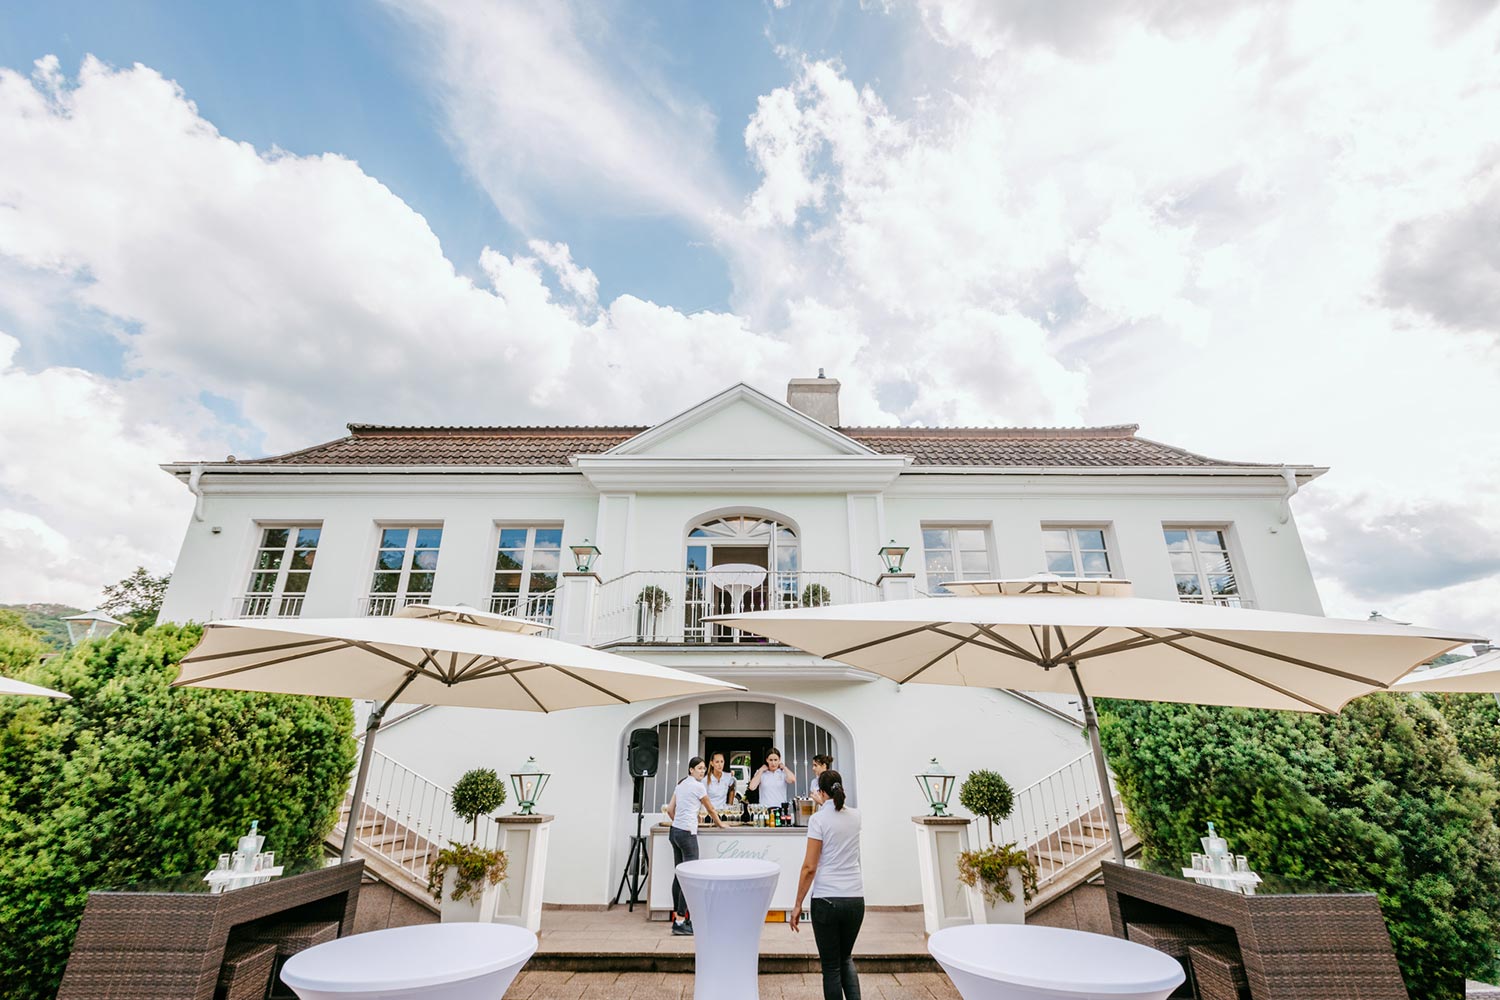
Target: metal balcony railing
{"points": [[268, 606], [669, 606], [537, 608], [385, 605], [1222, 600]]}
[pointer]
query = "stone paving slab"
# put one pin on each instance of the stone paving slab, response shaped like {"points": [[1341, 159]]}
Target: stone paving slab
{"points": [[544, 985]]}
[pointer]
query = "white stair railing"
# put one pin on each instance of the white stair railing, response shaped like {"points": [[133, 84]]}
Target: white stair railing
{"points": [[1059, 819], [406, 818]]}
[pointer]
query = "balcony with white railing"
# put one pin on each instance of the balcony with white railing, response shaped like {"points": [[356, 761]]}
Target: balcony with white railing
{"points": [[537, 608], [385, 605], [669, 606], [1221, 600], [268, 606]]}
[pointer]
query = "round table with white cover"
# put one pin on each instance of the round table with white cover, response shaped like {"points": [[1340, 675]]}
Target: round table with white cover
{"points": [[728, 899], [460, 961], [1017, 962]]}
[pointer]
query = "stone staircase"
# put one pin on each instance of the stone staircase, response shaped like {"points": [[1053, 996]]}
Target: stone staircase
{"points": [[1068, 857]]}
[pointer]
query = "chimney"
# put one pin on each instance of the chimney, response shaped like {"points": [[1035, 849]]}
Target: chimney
{"points": [[816, 397]]}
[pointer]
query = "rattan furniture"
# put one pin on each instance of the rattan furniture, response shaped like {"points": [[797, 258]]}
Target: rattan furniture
{"points": [[288, 938], [1174, 940], [1220, 972], [1295, 944], [167, 940], [246, 971]]}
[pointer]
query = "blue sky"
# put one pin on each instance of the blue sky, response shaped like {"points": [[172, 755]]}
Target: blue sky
{"points": [[1256, 230]]}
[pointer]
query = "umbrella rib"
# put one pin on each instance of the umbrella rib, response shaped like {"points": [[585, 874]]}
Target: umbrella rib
{"points": [[523, 687], [462, 673], [493, 665], [1284, 658], [414, 667], [320, 640], [583, 680], [960, 643], [1249, 677], [198, 681], [973, 640], [1128, 645], [877, 642], [1067, 651], [1017, 650]]}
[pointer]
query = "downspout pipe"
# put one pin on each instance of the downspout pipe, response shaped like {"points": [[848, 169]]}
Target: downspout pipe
{"points": [[1288, 474], [195, 476]]}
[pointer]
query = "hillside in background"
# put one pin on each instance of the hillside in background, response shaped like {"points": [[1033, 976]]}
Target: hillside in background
{"points": [[47, 619]]}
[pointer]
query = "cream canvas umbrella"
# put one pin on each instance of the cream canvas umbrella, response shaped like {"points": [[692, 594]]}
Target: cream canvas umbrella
{"points": [[10, 685], [425, 662], [462, 614], [1091, 638], [1475, 675]]}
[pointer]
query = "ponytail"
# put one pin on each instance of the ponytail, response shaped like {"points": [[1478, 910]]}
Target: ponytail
{"points": [[831, 784]]}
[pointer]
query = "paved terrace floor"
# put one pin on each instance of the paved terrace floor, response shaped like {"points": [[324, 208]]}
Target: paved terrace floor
{"points": [[618, 941], [561, 985]]}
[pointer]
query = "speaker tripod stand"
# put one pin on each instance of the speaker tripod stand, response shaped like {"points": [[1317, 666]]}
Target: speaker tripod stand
{"points": [[637, 873]]}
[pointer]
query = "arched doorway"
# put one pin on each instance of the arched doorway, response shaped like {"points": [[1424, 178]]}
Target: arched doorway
{"points": [[736, 563]]}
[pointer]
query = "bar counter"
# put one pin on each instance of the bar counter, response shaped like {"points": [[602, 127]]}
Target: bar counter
{"points": [[784, 845]]}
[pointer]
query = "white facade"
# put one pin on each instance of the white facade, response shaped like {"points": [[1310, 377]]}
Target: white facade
{"points": [[739, 453]]}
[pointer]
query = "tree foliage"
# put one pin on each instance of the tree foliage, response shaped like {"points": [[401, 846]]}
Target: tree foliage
{"points": [[136, 600], [987, 794], [1376, 798], [46, 620], [134, 780], [478, 793]]}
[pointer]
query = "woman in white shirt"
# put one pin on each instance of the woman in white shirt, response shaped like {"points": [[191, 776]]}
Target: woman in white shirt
{"points": [[831, 870], [720, 783], [773, 781], [682, 813]]}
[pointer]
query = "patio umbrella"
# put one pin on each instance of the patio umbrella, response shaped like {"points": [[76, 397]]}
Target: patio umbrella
{"points": [[422, 661], [1475, 675], [11, 686], [462, 614], [1091, 638]]}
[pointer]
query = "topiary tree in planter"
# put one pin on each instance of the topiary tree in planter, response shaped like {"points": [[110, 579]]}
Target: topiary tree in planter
{"points": [[987, 794], [815, 595], [478, 793], [650, 603]]}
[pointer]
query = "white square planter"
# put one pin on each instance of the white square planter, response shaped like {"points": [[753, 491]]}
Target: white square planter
{"points": [[1000, 912], [468, 909]]}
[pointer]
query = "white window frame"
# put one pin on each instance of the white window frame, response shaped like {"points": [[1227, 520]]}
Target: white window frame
{"points": [[1242, 596], [522, 607], [402, 596], [1073, 528], [983, 527], [259, 604]]}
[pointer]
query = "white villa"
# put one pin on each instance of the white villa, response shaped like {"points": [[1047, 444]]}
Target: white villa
{"points": [[800, 506]]}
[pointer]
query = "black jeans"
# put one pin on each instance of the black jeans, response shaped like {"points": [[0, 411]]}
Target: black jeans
{"points": [[835, 922], [684, 848]]}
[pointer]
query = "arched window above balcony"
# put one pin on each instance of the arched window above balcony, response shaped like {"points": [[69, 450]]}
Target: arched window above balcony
{"points": [[745, 539]]}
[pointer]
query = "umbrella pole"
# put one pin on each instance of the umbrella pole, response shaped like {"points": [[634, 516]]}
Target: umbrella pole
{"points": [[376, 716], [1091, 723]]}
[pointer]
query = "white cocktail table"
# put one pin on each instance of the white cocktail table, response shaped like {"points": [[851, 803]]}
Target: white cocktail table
{"points": [[1013, 961], [461, 961], [727, 899]]}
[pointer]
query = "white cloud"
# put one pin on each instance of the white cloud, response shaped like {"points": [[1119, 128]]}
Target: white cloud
{"points": [[539, 103]]}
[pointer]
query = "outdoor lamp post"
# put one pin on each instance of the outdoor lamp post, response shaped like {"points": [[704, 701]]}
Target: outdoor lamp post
{"points": [[584, 556], [528, 783], [937, 784], [894, 555], [90, 625]]}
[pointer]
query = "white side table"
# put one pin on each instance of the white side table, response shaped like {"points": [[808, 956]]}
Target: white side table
{"points": [[431, 961], [728, 899], [1017, 962]]}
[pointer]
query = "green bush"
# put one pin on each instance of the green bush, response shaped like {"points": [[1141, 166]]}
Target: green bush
{"points": [[478, 793], [989, 870], [987, 794], [1376, 798], [133, 780]]}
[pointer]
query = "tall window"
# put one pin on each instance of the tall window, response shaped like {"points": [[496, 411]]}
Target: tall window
{"points": [[405, 568], [954, 553], [282, 571], [526, 567], [1076, 552], [1201, 565]]}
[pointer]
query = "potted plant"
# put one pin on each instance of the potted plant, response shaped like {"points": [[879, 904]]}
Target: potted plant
{"points": [[463, 878], [1001, 876], [650, 603], [815, 595]]}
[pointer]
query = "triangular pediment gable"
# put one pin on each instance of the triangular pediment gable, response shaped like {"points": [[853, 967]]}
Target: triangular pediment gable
{"points": [[745, 423]]}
